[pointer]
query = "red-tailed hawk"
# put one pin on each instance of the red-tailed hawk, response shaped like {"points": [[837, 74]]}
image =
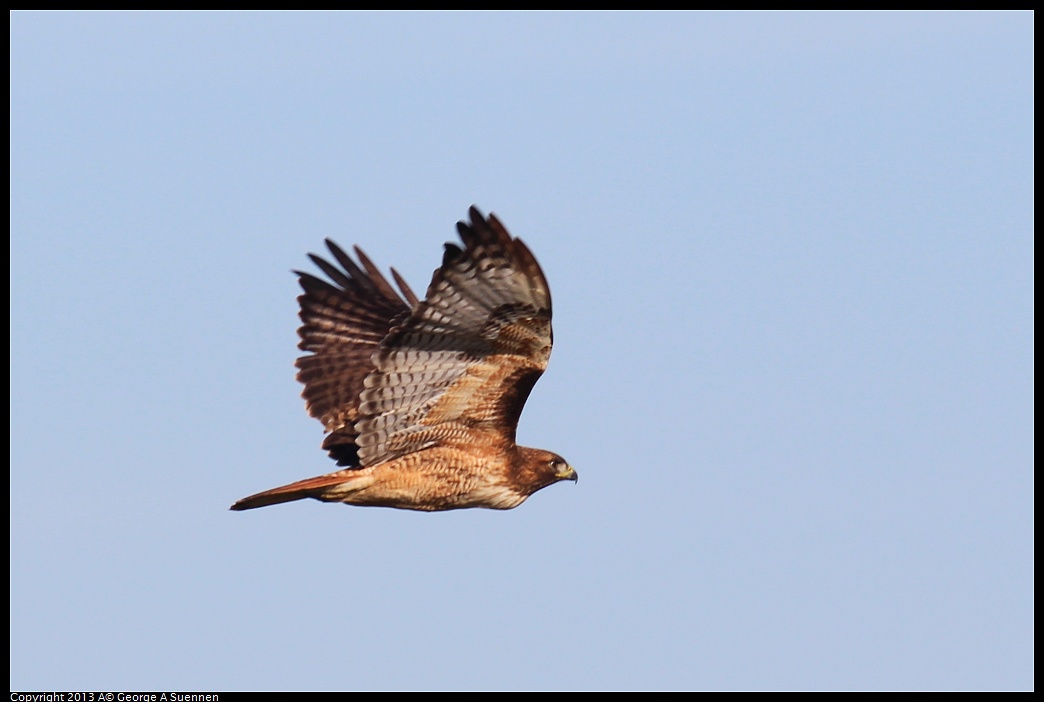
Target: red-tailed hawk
{"points": [[421, 398]]}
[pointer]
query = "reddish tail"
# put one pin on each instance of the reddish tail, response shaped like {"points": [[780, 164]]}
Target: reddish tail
{"points": [[312, 487]]}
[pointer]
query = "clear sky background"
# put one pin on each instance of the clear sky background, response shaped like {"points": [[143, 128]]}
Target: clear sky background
{"points": [[792, 264]]}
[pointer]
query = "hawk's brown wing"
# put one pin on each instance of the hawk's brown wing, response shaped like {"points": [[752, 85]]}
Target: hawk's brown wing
{"points": [[342, 325], [460, 367]]}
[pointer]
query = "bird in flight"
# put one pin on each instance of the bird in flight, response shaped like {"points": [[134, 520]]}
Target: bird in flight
{"points": [[421, 398]]}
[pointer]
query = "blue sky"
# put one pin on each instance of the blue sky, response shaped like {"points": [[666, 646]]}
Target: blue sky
{"points": [[792, 263]]}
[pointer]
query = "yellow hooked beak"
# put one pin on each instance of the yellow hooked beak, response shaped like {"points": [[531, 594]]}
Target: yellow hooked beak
{"points": [[567, 473]]}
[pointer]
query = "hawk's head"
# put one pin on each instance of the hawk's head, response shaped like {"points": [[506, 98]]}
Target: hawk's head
{"points": [[538, 468]]}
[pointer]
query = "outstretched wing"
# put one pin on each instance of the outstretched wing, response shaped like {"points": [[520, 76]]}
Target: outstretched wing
{"points": [[463, 362], [342, 325]]}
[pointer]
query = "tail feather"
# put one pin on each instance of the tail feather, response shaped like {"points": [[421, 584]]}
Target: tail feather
{"points": [[312, 487]]}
